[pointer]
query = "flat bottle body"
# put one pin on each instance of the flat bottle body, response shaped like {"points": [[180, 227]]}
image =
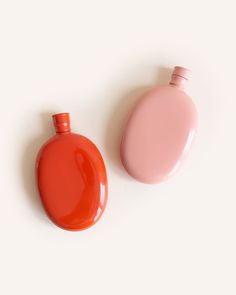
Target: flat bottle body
{"points": [[159, 133], [72, 181]]}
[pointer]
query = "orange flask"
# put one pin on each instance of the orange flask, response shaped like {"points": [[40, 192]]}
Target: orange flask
{"points": [[71, 178]]}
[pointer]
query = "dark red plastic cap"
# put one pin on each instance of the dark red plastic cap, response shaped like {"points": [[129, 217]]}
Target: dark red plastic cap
{"points": [[62, 122]]}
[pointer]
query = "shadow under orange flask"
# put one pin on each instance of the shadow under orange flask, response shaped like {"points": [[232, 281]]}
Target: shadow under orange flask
{"points": [[71, 177]]}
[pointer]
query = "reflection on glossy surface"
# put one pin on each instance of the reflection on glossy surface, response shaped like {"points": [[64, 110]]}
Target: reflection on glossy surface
{"points": [[72, 180]]}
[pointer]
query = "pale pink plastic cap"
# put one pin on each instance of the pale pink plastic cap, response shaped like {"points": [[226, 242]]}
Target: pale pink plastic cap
{"points": [[180, 76]]}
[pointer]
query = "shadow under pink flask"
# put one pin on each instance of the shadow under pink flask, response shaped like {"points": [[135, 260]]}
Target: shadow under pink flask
{"points": [[160, 131]]}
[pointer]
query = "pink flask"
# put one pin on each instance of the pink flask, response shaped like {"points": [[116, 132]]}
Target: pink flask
{"points": [[160, 131]]}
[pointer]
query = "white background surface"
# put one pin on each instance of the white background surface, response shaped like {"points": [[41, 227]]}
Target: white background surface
{"points": [[93, 59]]}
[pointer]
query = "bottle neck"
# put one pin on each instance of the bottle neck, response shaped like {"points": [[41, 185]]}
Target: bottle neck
{"points": [[180, 77], [62, 123]]}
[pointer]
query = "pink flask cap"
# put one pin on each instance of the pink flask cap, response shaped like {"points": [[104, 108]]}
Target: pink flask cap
{"points": [[180, 77]]}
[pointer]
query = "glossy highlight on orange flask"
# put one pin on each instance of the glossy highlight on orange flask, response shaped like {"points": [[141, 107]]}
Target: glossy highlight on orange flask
{"points": [[71, 178]]}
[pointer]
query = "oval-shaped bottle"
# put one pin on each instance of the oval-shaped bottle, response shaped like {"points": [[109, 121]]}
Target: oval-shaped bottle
{"points": [[71, 178], [160, 131]]}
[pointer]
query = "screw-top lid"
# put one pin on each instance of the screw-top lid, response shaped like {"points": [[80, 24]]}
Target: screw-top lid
{"points": [[61, 122], [180, 76]]}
